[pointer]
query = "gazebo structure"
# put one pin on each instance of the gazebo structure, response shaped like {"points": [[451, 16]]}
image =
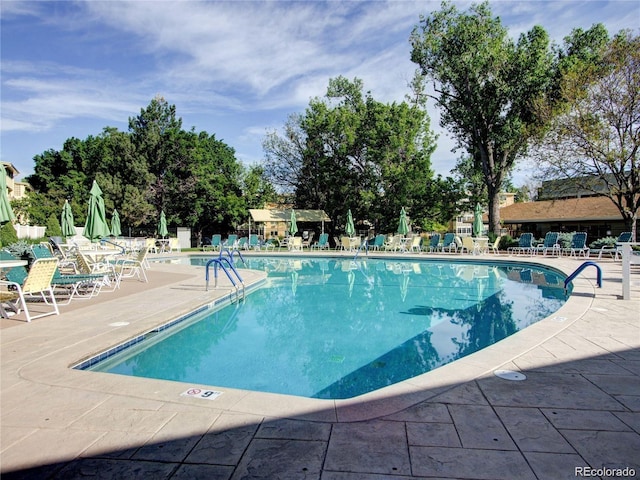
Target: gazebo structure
{"points": [[275, 221]]}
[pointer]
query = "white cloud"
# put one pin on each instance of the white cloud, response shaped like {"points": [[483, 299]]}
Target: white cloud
{"points": [[220, 60]]}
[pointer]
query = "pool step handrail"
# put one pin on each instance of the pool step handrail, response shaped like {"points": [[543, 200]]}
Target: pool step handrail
{"points": [[235, 272], [364, 245], [220, 262], [120, 247], [582, 267], [231, 253]]}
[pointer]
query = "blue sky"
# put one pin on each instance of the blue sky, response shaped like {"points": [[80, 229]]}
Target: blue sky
{"points": [[235, 69]]}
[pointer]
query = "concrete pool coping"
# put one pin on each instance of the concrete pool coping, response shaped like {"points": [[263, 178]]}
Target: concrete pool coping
{"points": [[36, 359]]}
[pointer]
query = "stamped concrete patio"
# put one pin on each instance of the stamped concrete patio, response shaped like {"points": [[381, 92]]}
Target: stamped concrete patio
{"points": [[579, 407]]}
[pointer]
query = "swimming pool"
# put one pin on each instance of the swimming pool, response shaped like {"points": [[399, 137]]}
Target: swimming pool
{"points": [[334, 328]]}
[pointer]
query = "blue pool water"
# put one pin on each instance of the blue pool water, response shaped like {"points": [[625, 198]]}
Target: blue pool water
{"points": [[334, 328]]}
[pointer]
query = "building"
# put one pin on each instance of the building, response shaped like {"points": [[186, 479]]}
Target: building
{"points": [[16, 190], [598, 216]]}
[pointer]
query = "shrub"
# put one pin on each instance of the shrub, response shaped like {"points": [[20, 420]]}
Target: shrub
{"points": [[8, 234], [603, 242], [506, 241], [21, 249], [53, 227]]}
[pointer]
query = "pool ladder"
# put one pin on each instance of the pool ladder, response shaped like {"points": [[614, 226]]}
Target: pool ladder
{"points": [[229, 269]]}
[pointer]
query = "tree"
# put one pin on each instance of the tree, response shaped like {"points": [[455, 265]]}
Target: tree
{"points": [[485, 85], [156, 165], [595, 141], [349, 151]]}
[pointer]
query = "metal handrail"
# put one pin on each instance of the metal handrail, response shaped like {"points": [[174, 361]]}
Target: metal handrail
{"points": [[219, 262], [231, 253], [364, 245], [106, 240], [582, 267]]}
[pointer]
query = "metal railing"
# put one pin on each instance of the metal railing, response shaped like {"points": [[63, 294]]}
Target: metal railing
{"points": [[238, 285], [581, 268]]}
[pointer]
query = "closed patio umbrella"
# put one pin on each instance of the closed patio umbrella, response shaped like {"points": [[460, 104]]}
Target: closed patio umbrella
{"points": [[350, 228], [6, 213], [293, 226], [403, 226], [66, 220], [116, 230], [96, 228], [477, 221], [162, 225]]}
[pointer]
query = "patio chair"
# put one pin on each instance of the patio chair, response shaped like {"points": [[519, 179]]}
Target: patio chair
{"points": [[377, 243], [307, 242], [578, 245], [110, 278], [130, 267], [242, 244], [322, 243], [69, 281], [615, 250], [150, 244], [416, 243], [469, 245], [174, 244], [231, 241], [393, 243], [448, 242], [254, 242], [493, 247], [213, 244], [295, 244], [550, 244], [36, 284], [525, 244], [434, 242]]}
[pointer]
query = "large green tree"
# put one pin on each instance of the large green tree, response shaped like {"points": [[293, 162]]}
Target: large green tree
{"points": [[156, 165], [350, 151], [595, 141], [485, 85]]}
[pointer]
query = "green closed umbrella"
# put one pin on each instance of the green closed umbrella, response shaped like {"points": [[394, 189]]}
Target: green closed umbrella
{"points": [[66, 220], [293, 226], [116, 230], [6, 213], [162, 225], [350, 228], [96, 226], [477, 221], [403, 226]]}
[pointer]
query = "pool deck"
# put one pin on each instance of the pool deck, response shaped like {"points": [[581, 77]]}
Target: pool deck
{"points": [[579, 406]]}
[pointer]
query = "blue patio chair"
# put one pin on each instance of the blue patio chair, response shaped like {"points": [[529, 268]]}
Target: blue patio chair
{"points": [[213, 244], [525, 244], [377, 242], [231, 241], [578, 245], [615, 250], [449, 242], [322, 243], [254, 242], [550, 244], [434, 242]]}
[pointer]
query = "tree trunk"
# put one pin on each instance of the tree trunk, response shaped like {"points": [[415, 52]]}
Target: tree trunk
{"points": [[494, 208]]}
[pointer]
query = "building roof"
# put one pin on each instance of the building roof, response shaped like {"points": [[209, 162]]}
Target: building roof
{"points": [[569, 210], [264, 215]]}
